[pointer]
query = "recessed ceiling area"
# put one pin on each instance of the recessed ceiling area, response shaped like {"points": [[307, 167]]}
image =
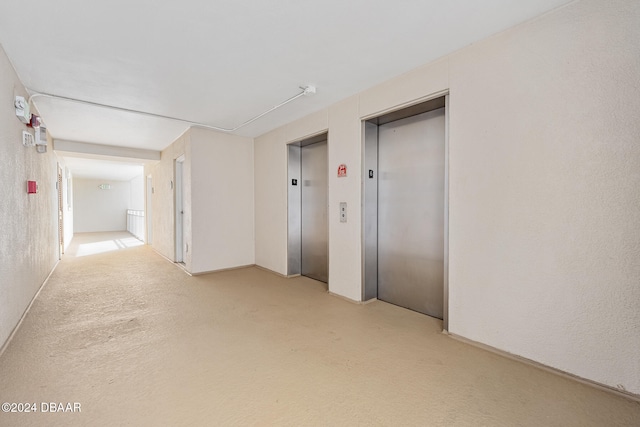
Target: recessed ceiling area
{"points": [[224, 62]]}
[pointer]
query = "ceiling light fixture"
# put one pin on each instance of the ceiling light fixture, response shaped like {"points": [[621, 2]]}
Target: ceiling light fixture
{"points": [[306, 91]]}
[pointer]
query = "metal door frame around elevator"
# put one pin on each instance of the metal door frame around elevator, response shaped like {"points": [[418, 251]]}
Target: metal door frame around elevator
{"points": [[370, 192], [294, 202]]}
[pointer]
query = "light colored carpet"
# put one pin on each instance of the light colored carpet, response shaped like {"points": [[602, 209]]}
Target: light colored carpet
{"points": [[137, 342]]}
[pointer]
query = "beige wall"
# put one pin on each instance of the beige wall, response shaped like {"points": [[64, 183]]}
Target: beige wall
{"points": [[163, 179], [222, 204], [544, 188], [218, 200], [29, 238], [545, 191]]}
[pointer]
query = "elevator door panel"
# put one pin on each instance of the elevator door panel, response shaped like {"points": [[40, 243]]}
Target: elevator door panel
{"points": [[411, 212], [314, 225]]}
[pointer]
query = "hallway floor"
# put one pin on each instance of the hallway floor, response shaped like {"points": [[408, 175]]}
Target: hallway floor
{"points": [[138, 342]]}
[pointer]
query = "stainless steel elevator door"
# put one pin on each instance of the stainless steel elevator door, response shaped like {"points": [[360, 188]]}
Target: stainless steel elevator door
{"points": [[411, 212], [314, 225]]}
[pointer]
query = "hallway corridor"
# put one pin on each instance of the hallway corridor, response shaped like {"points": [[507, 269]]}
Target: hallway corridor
{"points": [[138, 342]]}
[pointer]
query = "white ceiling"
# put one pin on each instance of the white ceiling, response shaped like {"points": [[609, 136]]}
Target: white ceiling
{"points": [[224, 61], [96, 168]]}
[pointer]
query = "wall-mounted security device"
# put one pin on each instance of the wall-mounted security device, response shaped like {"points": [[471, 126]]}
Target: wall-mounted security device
{"points": [[22, 110], [370, 173], [35, 121], [41, 139], [294, 182], [28, 140]]}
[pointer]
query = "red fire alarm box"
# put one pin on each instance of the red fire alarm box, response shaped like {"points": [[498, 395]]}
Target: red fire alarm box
{"points": [[32, 187], [342, 171]]}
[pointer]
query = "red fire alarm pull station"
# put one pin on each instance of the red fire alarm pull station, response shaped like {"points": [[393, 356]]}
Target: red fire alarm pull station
{"points": [[32, 187], [342, 171]]}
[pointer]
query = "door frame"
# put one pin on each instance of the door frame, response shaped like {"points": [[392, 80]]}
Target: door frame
{"points": [[178, 190], [59, 189], [396, 113], [294, 202], [149, 209]]}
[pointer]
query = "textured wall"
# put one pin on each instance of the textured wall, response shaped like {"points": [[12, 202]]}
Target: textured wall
{"points": [[163, 177], [222, 206], [545, 191], [345, 239], [28, 242], [218, 201], [270, 173], [544, 188], [100, 210]]}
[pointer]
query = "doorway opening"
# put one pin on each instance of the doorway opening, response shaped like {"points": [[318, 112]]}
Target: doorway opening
{"points": [[308, 227], [405, 210]]}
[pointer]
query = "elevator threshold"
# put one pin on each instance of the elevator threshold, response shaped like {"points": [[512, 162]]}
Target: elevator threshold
{"points": [[410, 309]]}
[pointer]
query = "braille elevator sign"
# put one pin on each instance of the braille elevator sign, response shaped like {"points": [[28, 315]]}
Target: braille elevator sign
{"points": [[342, 171]]}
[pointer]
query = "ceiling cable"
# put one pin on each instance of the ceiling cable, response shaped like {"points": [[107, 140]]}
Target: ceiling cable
{"points": [[306, 90]]}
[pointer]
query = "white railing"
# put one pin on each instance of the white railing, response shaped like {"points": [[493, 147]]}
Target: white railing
{"points": [[135, 223]]}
